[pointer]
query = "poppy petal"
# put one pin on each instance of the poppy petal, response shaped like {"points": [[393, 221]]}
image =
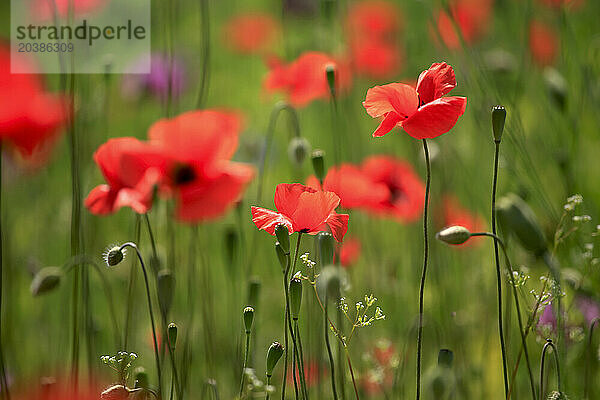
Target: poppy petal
{"points": [[435, 118], [338, 223], [388, 123], [397, 97], [435, 82], [313, 210], [287, 196], [100, 200], [268, 220]]}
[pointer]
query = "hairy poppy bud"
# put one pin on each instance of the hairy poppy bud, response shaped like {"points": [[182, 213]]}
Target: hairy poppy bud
{"points": [[141, 378], [248, 319], [172, 335], [166, 287], [114, 256], [254, 291], [318, 163], [295, 296], [115, 392], [516, 217], [498, 119], [330, 72], [273, 355], [325, 246], [283, 237], [281, 256], [453, 235], [557, 87], [445, 358], [45, 280], [298, 149]]}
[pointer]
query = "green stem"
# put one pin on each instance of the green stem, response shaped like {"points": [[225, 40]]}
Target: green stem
{"points": [[131, 286], [586, 385], [5, 392], [205, 52], [329, 353], [424, 272], [546, 345], [175, 375], [301, 359], [246, 353], [268, 384], [351, 372]]}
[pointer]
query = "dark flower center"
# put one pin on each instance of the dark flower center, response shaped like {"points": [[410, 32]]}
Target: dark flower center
{"points": [[396, 193], [182, 174]]}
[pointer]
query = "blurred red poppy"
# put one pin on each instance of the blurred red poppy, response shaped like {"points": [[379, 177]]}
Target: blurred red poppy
{"points": [[472, 17], [422, 113], [454, 213], [46, 10], [197, 147], [250, 33], [30, 117], [543, 43], [406, 190], [373, 28], [304, 79], [50, 388], [349, 251], [354, 188], [313, 373], [302, 209], [124, 163]]}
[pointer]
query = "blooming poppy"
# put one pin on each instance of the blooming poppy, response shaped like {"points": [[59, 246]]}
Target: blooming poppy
{"points": [[250, 33], [543, 43], [422, 113], [302, 209], [30, 117], [471, 17], [129, 167], [354, 188], [197, 147], [349, 251], [406, 190], [305, 79]]}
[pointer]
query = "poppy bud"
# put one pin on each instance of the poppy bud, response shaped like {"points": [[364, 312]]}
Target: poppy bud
{"points": [[498, 118], [253, 291], [330, 72], [325, 248], [115, 392], [295, 296], [281, 256], [273, 355], [330, 282], [45, 280], [172, 335], [114, 256], [166, 287], [445, 358], [557, 87], [248, 319], [283, 236], [141, 378], [318, 163], [155, 264], [453, 235], [298, 149], [515, 216]]}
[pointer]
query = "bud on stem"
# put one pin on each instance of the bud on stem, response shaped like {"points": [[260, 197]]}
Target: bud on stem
{"points": [[295, 297], [273, 355], [248, 319]]}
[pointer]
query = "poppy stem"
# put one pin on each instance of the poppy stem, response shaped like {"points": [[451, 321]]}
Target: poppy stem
{"points": [[131, 285], [149, 298], [4, 390], [546, 345], [424, 271], [329, 353], [351, 372], [205, 53], [285, 326], [301, 359], [246, 354], [586, 384]]}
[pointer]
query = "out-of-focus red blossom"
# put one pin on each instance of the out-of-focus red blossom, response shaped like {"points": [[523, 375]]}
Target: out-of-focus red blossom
{"points": [[44, 9], [250, 33], [354, 188], [543, 43], [384, 353], [406, 190], [471, 17], [30, 117], [422, 113], [197, 147], [559, 3], [373, 28], [52, 390], [129, 168], [349, 251], [382, 376], [313, 373], [304, 79], [302, 209], [455, 214]]}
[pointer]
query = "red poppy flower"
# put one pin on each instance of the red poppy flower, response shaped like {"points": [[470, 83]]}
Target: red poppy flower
{"points": [[422, 113], [125, 164], [349, 251], [304, 79], [406, 190], [302, 209], [30, 117], [455, 214], [354, 188], [250, 33], [470, 16], [543, 43], [197, 147]]}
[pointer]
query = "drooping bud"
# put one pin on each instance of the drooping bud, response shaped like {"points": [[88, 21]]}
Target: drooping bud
{"points": [[298, 149], [141, 378], [318, 163], [283, 237], [248, 319], [330, 72], [166, 289], [557, 87], [445, 358], [516, 217], [325, 248], [114, 256], [172, 335], [295, 296], [281, 256], [273, 355], [46, 280], [498, 119], [115, 392], [454, 235]]}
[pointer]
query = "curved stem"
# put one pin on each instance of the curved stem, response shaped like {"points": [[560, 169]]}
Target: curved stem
{"points": [[424, 271], [546, 345], [149, 298], [202, 91], [586, 384], [131, 285]]}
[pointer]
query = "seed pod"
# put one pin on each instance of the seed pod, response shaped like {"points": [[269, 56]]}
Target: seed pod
{"points": [[318, 163], [46, 280], [281, 256], [295, 297], [330, 73], [273, 355], [172, 335], [298, 149], [114, 256], [325, 248], [166, 289], [283, 237], [115, 392], [516, 217], [248, 319], [454, 235], [498, 119]]}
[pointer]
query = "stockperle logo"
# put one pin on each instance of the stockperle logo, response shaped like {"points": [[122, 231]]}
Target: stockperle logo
{"points": [[70, 36]]}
